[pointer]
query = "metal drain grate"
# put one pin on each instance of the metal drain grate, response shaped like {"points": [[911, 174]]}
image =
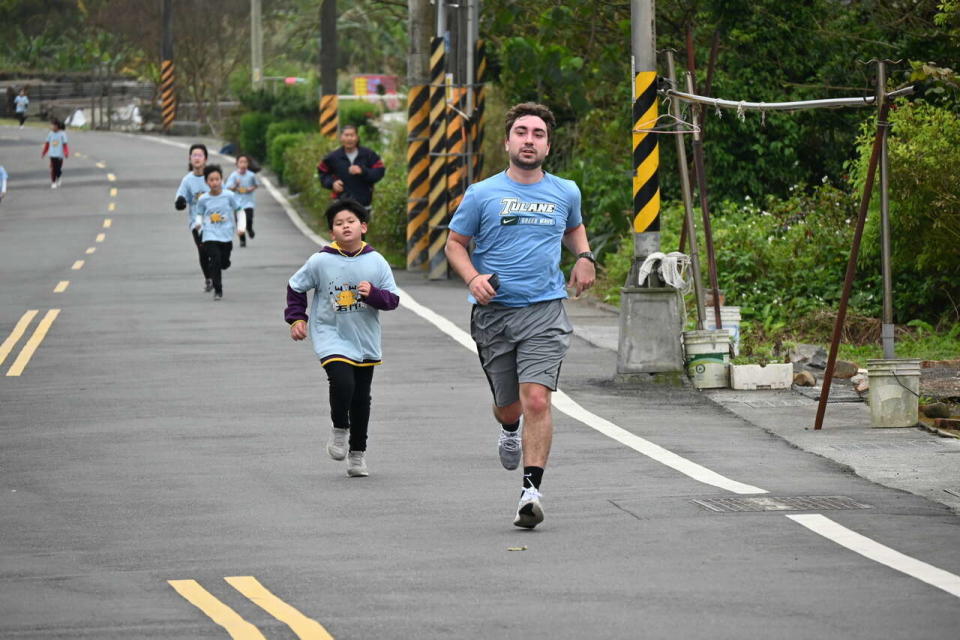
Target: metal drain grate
{"points": [[770, 503]]}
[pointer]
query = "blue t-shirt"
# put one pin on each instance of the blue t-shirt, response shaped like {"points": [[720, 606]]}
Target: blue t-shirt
{"points": [[56, 140], [240, 183], [191, 188], [340, 322], [21, 103], [216, 215], [518, 229]]}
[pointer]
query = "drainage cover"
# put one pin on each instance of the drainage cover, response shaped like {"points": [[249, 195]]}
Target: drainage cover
{"points": [[770, 503]]}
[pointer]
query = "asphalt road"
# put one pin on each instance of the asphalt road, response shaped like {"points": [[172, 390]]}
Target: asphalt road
{"points": [[162, 472]]}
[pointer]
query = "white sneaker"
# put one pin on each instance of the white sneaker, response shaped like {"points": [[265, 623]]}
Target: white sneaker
{"points": [[529, 511], [53, 185], [59, 182], [337, 444], [356, 465], [510, 448]]}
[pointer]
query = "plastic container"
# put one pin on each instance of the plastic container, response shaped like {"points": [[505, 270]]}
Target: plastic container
{"points": [[894, 394], [730, 317], [706, 357]]}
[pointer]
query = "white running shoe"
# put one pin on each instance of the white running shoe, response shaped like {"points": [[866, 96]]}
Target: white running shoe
{"points": [[529, 511], [53, 185], [356, 465], [510, 448], [337, 444], [59, 182]]}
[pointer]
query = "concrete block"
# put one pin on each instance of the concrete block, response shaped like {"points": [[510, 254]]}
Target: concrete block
{"points": [[752, 376], [651, 323]]}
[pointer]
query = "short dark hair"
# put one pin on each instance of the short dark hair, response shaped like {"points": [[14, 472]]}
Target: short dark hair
{"points": [[517, 111], [355, 129], [211, 168], [196, 145], [346, 204]]}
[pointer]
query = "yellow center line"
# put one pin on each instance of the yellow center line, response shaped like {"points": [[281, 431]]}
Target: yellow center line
{"points": [[112, 206], [31, 346], [113, 192], [77, 265], [111, 177], [101, 165], [101, 237], [107, 222], [61, 286], [305, 628], [91, 250], [14, 336], [237, 627]]}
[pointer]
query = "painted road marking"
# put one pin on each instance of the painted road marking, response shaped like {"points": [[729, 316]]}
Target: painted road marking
{"points": [[91, 250], [111, 177], [567, 405], [31, 345], [77, 265], [877, 552], [113, 192], [107, 222], [305, 628], [15, 335], [237, 627], [101, 165], [61, 286], [112, 206], [101, 237]]}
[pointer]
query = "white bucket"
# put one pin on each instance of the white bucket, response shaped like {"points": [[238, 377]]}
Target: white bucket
{"points": [[730, 318], [706, 357], [894, 393]]}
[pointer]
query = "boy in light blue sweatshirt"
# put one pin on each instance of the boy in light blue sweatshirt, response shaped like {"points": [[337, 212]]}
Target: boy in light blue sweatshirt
{"points": [[351, 284], [191, 188], [244, 182], [218, 216]]}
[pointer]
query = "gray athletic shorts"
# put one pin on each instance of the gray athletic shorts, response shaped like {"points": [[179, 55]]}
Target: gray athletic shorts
{"points": [[520, 344]]}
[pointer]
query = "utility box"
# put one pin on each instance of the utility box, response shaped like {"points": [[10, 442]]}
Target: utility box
{"points": [[651, 322], [749, 377]]}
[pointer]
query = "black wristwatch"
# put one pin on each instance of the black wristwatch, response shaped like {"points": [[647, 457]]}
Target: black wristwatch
{"points": [[588, 255]]}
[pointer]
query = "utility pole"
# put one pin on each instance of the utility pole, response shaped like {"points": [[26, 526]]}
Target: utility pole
{"points": [[256, 45], [419, 29], [167, 97], [650, 313], [329, 125]]}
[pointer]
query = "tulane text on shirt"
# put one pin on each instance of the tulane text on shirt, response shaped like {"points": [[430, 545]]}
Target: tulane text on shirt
{"points": [[515, 205]]}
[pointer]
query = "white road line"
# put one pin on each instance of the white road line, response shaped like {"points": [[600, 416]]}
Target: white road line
{"points": [[877, 552]]}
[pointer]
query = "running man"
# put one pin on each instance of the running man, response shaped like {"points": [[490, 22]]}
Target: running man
{"points": [[519, 219]]}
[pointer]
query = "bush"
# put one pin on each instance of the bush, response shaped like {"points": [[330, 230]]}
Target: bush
{"points": [[277, 150], [924, 153], [253, 134]]}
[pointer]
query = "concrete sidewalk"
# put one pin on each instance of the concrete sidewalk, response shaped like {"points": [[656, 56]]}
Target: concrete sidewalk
{"points": [[909, 459]]}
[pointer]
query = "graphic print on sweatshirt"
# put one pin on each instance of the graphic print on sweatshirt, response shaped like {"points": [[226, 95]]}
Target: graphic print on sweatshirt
{"points": [[345, 297]]}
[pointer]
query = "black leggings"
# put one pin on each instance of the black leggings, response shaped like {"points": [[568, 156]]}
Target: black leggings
{"points": [[56, 169], [350, 400], [197, 240], [22, 117], [218, 260], [249, 212]]}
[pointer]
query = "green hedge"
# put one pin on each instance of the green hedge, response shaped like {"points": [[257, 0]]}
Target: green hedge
{"points": [[277, 150], [253, 134]]}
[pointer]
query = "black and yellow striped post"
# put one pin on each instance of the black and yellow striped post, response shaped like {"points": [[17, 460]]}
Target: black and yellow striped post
{"points": [[418, 174], [168, 98], [646, 155], [329, 123], [437, 196], [457, 130], [479, 114]]}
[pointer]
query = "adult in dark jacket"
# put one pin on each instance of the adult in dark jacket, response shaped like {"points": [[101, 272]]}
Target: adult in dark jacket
{"points": [[352, 170]]}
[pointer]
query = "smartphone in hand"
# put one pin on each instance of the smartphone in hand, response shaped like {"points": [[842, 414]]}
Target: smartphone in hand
{"points": [[494, 281]]}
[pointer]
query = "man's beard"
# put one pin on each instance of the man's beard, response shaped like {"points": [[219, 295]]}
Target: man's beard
{"points": [[523, 164]]}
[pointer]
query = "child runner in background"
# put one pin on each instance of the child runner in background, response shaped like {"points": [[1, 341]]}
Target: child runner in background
{"points": [[21, 102], [191, 188], [351, 284], [217, 219], [244, 182], [56, 144]]}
